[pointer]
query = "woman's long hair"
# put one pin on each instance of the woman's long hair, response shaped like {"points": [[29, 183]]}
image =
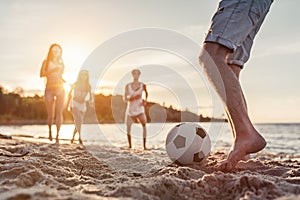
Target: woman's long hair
{"points": [[83, 84], [50, 56]]}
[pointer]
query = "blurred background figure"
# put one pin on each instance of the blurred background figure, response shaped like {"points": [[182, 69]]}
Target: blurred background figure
{"points": [[136, 105], [53, 68], [80, 91]]}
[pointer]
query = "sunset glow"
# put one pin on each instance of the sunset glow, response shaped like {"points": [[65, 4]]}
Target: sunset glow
{"points": [[270, 78]]}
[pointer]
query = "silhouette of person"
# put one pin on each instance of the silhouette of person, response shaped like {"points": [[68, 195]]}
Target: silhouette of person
{"points": [[135, 111], [77, 97], [53, 68], [225, 51]]}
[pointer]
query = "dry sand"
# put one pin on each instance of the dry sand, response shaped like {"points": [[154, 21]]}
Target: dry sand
{"points": [[36, 170]]}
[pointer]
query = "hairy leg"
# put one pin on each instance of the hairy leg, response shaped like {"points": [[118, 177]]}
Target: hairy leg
{"points": [[247, 140], [236, 69]]}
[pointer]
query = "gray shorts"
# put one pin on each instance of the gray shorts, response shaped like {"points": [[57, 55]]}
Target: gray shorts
{"points": [[235, 25]]}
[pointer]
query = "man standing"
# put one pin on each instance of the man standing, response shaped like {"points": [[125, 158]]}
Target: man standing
{"points": [[225, 51], [136, 105]]}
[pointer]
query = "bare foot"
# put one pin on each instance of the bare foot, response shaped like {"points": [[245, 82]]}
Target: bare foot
{"points": [[125, 148], [50, 136], [80, 141], [241, 150]]}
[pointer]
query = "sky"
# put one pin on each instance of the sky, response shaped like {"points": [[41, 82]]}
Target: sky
{"points": [[270, 79]]}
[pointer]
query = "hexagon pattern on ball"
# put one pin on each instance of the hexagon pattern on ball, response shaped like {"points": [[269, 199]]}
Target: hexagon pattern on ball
{"points": [[188, 143], [198, 157], [179, 141]]}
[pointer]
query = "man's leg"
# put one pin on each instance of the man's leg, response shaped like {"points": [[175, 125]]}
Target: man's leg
{"points": [[234, 26], [247, 140], [236, 59], [236, 69]]}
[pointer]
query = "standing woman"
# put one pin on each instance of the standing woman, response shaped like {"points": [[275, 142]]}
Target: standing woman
{"points": [[81, 89], [53, 68], [135, 111]]}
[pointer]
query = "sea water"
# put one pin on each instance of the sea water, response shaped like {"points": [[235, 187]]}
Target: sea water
{"points": [[281, 138]]}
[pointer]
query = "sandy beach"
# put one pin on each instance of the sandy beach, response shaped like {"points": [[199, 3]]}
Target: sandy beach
{"points": [[43, 170]]}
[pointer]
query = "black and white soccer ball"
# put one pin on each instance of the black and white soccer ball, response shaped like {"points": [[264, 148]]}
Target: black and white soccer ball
{"points": [[188, 143]]}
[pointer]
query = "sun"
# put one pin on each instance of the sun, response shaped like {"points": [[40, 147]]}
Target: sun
{"points": [[74, 54]]}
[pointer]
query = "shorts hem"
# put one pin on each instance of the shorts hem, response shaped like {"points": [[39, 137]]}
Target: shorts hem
{"points": [[236, 62], [135, 115], [222, 41]]}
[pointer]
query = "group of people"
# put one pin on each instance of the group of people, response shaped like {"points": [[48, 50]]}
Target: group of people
{"points": [[81, 92], [225, 50], [53, 68]]}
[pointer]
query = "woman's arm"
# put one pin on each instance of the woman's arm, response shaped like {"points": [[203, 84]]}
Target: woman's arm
{"points": [[91, 94], [91, 101], [69, 96], [43, 69], [126, 95], [146, 92]]}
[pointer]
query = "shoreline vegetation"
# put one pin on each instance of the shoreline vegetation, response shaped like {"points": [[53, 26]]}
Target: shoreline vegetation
{"points": [[18, 110]]}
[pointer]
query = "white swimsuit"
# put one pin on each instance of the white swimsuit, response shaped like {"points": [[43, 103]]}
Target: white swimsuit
{"points": [[135, 107], [81, 106]]}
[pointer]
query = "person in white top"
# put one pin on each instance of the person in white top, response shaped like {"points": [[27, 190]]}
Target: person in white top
{"points": [[135, 111], [53, 68]]}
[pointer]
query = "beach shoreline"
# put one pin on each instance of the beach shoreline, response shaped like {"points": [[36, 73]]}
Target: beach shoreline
{"points": [[44, 170]]}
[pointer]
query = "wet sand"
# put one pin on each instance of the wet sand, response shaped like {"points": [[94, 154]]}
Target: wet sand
{"points": [[42, 170]]}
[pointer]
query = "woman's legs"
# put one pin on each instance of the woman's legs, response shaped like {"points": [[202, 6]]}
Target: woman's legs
{"points": [[129, 122], [143, 121], [74, 133], [78, 119], [50, 111], [59, 107]]}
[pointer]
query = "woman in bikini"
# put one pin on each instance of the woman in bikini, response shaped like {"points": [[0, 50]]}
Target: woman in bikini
{"points": [[81, 89], [52, 69]]}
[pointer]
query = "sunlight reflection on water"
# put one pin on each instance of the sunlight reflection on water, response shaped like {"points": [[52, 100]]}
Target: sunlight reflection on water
{"points": [[280, 137]]}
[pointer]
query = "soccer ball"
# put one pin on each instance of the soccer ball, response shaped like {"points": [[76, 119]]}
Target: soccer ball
{"points": [[188, 143]]}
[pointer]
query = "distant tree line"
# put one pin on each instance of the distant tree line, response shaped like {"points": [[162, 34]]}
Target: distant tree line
{"points": [[16, 109]]}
